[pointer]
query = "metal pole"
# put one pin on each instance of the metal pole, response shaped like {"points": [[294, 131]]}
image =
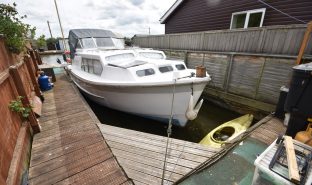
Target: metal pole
{"points": [[149, 30], [58, 16], [49, 29]]}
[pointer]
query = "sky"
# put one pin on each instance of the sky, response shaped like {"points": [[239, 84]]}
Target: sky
{"points": [[127, 17]]}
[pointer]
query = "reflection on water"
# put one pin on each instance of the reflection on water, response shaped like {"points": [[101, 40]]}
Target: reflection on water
{"points": [[209, 117]]}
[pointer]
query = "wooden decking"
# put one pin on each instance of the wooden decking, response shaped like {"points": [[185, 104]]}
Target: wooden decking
{"points": [[70, 148], [142, 155], [269, 130]]}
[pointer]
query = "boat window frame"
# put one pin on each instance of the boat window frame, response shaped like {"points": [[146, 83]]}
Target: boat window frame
{"points": [[145, 74], [165, 66], [90, 64], [184, 67]]}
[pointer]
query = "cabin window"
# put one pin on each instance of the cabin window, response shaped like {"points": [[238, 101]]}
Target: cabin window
{"points": [[248, 19], [88, 43], [145, 72], [152, 55], [104, 42], [79, 44], [180, 67], [97, 67], [84, 65], [165, 69], [92, 66]]}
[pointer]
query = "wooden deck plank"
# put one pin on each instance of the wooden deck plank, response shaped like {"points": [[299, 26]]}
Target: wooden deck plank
{"points": [[142, 154], [71, 149]]}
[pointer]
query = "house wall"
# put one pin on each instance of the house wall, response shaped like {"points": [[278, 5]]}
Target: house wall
{"points": [[203, 15]]}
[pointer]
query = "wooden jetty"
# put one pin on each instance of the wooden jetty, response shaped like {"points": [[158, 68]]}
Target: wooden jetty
{"points": [[142, 155], [70, 148], [74, 147]]}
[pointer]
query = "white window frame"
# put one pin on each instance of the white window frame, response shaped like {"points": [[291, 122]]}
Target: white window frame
{"points": [[248, 12]]}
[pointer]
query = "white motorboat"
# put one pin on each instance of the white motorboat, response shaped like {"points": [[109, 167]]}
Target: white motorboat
{"points": [[133, 80]]}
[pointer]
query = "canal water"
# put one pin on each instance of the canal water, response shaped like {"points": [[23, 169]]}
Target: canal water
{"points": [[209, 117]]}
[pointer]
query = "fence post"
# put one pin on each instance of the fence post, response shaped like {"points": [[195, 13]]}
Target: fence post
{"points": [[228, 74], [259, 79], [21, 91], [33, 75], [34, 60], [38, 57]]}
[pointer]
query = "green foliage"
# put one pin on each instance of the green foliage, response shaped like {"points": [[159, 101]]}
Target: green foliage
{"points": [[41, 42], [17, 106], [13, 29], [51, 42]]}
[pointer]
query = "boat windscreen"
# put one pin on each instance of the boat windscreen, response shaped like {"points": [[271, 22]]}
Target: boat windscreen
{"points": [[110, 43], [152, 55], [128, 64], [88, 43]]}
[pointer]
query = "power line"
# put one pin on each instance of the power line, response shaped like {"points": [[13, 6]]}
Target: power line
{"points": [[282, 12]]}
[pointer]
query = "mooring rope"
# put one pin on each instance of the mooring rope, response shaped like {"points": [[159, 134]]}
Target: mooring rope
{"points": [[169, 130]]}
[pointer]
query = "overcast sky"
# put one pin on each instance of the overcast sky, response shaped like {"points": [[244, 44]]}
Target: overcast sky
{"points": [[127, 17]]}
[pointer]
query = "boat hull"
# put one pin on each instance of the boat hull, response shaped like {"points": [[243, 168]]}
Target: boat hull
{"points": [[148, 101], [234, 127]]}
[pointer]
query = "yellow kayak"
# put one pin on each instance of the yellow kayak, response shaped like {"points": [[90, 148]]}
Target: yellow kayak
{"points": [[227, 131]]}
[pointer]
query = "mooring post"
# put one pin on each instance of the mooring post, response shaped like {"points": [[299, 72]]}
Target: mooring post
{"points": [[21, 91], [304, 43]]}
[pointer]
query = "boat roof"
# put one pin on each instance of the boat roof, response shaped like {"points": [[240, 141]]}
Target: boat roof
{"points": [[76, 34], [88, 33]]}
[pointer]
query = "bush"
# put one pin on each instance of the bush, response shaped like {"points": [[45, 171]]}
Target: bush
{"points": [[13, 29], [41, 42]]}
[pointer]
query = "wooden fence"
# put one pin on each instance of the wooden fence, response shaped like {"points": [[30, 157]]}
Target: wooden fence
{"points": [[17, 78], [284, 40], [250, 80]]}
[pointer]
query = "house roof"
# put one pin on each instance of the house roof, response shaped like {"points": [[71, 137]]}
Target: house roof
{"points": [[170, 11]]}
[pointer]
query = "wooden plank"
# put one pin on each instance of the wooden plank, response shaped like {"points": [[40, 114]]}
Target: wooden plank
{"points": [[291, 159], [113, 129], [71, 149]]}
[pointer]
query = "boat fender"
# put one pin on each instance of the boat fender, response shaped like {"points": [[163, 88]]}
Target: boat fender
{"points": [[192, 110]]}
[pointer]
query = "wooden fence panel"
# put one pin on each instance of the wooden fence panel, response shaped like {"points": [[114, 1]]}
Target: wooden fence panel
{"points": [[10, 123], [195, 59], [245, 74], [285, 40], [217, 66], [276, 73], [177, 55]]}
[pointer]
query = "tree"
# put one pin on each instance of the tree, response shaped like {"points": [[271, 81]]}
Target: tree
{"points": [[13, 29], [41, 42], [51, 43]]}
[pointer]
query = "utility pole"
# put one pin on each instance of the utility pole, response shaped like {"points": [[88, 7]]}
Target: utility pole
{"points": [[58, 16], [49, 29], [149, 30]]}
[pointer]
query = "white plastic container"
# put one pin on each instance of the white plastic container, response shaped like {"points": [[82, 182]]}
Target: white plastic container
{"points": [[264, 176]]}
